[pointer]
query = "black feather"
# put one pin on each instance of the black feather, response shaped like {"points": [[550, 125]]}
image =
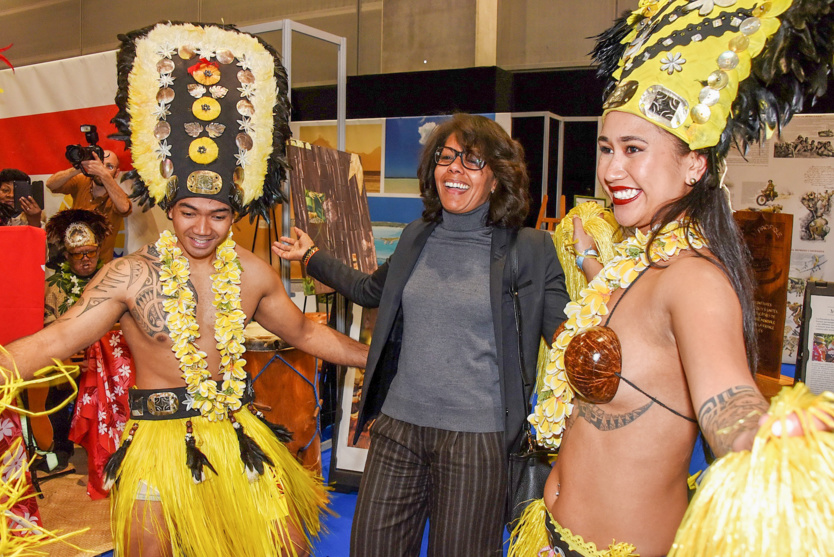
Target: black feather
{"points": [[196, 460], [277, 165], [114, 463], [793, 69], [251, 454]]}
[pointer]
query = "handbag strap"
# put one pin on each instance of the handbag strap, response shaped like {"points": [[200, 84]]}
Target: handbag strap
{"points": [[513, 251], [513, 255]]}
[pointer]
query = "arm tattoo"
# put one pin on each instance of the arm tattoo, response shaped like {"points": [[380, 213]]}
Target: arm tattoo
{"points": [[147, 311], [726, 415], [604, 421], [89, 303], [113, 278]]}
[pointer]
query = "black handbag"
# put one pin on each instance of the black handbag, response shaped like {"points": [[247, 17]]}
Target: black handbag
{"points": [[529, 466]]}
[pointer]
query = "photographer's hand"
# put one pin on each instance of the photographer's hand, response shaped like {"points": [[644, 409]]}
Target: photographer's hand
{"points": [[106, 172]]}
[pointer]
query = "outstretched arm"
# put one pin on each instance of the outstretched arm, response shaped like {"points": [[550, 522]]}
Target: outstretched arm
{"points": [[277, 314], [100, 306], [358, 287]]}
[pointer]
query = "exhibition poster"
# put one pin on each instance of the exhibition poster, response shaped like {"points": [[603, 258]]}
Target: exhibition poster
{"points": [[793, 174]]}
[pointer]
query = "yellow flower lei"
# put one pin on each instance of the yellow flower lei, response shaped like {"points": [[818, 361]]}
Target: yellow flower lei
{"points": [[630, 259], [180, 318]]}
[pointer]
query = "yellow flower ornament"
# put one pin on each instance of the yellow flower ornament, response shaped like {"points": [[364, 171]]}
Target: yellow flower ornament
{"points": [[180, 309], [555, 398]]}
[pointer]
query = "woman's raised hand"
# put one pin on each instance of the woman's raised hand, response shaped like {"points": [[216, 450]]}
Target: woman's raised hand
{"points": [[293, 250], [582, 240]]}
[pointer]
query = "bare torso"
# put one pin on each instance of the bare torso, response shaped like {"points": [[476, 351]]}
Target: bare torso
{"points": [[622, 469], [144, 324]]}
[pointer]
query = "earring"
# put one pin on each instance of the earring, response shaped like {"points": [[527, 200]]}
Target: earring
{"points": [[692, 181]]}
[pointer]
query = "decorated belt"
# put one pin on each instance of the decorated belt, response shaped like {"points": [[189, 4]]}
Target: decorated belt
{"points": [[170, 403]]}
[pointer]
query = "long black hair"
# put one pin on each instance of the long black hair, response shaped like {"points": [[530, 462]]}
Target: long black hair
{"points": [[707, 207]]}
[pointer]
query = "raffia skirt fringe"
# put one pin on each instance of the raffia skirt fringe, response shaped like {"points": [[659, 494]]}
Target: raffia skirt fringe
{"points": [[226, 514]]}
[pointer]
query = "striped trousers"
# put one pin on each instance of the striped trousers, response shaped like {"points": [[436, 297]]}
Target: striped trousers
{"points": [[457, 480]]}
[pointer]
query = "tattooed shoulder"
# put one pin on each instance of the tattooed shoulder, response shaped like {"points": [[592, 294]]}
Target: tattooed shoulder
{"points": [[146, 309], [604, 421]]}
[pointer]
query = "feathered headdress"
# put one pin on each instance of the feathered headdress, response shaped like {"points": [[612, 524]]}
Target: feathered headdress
{"points": [[77, 227], [714, 72], [204, 111]]}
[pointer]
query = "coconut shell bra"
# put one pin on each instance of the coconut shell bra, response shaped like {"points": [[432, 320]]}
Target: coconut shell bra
{"points": [[586, 356], [593, 362]]}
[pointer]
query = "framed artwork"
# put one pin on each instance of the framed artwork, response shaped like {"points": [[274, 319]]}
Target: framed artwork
{"points": [[580, 199], [363, 138], [815, 361]]}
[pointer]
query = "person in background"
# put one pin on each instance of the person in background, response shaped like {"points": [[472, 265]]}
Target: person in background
{"points": [[444, 382], [79, 234], [31, 214], [94, 187]]}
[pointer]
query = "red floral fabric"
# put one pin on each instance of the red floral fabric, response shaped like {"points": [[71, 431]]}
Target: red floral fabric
{"points": [[101, 410], [26, 508]]}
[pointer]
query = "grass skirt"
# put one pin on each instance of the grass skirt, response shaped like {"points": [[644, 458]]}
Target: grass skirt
{"points": [[531, 537], [226, 514]]}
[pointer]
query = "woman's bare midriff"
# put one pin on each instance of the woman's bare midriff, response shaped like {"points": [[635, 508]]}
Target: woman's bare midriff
{"points": [[622, 469]]}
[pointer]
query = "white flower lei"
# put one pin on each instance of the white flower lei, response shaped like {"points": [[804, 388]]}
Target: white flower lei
{"points": [[180, 309], [630, 259]]}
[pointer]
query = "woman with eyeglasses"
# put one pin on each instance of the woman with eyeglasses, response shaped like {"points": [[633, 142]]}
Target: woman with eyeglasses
{"points": [[444, 386]]}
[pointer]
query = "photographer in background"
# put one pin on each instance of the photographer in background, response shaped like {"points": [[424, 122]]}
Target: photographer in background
{"points": [[31, 214], [92, 184]]}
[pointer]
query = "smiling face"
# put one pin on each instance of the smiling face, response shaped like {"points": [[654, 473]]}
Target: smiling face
{"points": [[460, 189], [641, 168], [200, 224]]}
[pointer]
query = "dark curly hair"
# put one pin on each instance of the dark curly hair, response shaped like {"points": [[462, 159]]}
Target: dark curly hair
{"points": [[13, 175], [510, 202]]}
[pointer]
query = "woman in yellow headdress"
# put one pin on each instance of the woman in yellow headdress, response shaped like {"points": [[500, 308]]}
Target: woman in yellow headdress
{"points": [[661, 344]]}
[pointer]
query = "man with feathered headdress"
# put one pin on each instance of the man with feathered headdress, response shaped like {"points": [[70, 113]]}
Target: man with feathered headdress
{"points": [[79, 234], [199, 472]]}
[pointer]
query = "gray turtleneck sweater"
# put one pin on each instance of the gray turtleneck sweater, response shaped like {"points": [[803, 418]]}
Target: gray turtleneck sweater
{"points": [[447, 373]]}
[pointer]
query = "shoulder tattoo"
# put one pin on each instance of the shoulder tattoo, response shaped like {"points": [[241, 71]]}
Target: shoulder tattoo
{"points": [[147, 309], [727, 414], [603, 421], [104, 286]]}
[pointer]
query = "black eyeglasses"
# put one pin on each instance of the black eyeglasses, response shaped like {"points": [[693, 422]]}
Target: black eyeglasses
{"points": [[444, 156], [84, 254]]}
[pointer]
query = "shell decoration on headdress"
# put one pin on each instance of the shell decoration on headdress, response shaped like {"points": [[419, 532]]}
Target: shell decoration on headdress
{"points": [[204, 111], [714, 71], [77, 227]]}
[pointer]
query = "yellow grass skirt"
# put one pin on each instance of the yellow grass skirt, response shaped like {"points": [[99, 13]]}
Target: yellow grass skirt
{"points": [[224, 515], [530, 537]]}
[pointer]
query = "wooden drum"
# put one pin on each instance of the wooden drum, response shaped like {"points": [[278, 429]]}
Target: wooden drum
{"points": [[285, 395]]}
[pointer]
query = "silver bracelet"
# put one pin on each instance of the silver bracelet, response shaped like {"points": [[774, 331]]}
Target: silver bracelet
{"points": [[580, 258]]}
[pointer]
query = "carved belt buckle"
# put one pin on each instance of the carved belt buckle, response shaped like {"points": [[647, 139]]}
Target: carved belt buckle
{"points": [[163, 404]]}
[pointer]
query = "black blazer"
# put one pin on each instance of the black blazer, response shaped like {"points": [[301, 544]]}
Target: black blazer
{"points": [[542, 296]]}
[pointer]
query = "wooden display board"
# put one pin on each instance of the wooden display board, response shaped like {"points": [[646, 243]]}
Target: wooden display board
{"points": [[330, 203], [768, 237]]}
